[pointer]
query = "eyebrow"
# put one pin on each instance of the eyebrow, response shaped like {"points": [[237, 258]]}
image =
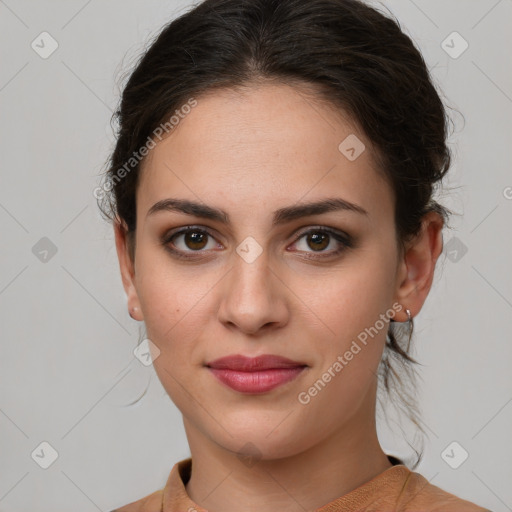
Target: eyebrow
{"points": [[281, 216]]}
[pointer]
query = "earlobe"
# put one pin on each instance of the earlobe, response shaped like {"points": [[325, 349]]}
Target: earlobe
{"points": [[418, 265], [127, 268]]}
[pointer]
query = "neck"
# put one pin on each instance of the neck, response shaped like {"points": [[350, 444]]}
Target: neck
{"points": [[306, 481]]}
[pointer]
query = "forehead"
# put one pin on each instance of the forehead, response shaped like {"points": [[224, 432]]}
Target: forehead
{"points": [[267, 144]]}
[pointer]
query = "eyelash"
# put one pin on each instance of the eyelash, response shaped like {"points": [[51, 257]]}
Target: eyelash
{"points": [[345, 240]]}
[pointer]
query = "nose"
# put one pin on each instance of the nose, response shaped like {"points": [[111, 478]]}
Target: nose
{"points": [[253, 297]]}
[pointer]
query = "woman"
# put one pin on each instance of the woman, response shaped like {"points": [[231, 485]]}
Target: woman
{"points": [[272, 199]]}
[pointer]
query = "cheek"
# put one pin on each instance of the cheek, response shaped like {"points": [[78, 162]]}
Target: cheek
{"points": [[172, 296], [177, 304], [355, 307], [352, 310], [174, 305], [355, 297], [172, 313]]}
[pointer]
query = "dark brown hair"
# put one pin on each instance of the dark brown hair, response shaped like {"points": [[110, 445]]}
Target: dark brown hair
{"points": [[353, 56]]}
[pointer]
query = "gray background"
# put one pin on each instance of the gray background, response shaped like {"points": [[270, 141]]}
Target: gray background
{"points": [[67, 369]]}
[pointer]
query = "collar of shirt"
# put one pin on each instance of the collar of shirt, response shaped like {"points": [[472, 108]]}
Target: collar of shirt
{"points": [[395, 489], [381, 491]]}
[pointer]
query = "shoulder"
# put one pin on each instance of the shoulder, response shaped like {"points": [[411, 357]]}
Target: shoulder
{"points": [[174, 486], [150, 503], [419, 494]]}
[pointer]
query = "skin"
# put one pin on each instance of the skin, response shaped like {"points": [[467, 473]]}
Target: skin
{"points": [[251, 153]]}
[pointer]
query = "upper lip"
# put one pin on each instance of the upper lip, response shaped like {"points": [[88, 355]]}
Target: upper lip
{"points": [[247, 364]]}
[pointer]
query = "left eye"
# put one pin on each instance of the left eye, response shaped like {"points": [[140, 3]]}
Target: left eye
{"points": [[320, 239]]}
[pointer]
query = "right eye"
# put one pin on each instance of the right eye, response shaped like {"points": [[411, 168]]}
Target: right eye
{"points": [[189, 240]]}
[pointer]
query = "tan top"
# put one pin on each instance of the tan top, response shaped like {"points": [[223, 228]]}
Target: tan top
{"points": [[397, 489]]}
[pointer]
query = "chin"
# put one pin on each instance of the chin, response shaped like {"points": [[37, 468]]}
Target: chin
{"points": [[262, 442]]}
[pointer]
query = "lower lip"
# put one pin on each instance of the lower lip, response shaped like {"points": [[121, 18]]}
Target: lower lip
{"points": [[257, 381]]}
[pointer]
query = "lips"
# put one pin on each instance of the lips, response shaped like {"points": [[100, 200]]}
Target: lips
{"points": [[255, 375], [248, 364]]}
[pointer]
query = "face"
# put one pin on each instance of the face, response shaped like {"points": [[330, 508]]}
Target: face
{"points": [[265, 277]]}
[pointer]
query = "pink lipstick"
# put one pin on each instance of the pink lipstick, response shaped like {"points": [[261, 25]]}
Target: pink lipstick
{"points": [[255, 375]]}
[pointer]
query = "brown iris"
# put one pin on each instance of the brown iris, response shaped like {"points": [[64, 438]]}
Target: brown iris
{"points": [[318, 240], [195, 240]]}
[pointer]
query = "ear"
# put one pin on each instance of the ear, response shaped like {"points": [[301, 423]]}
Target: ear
{"points": [[416, 270], [127, 268]]}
